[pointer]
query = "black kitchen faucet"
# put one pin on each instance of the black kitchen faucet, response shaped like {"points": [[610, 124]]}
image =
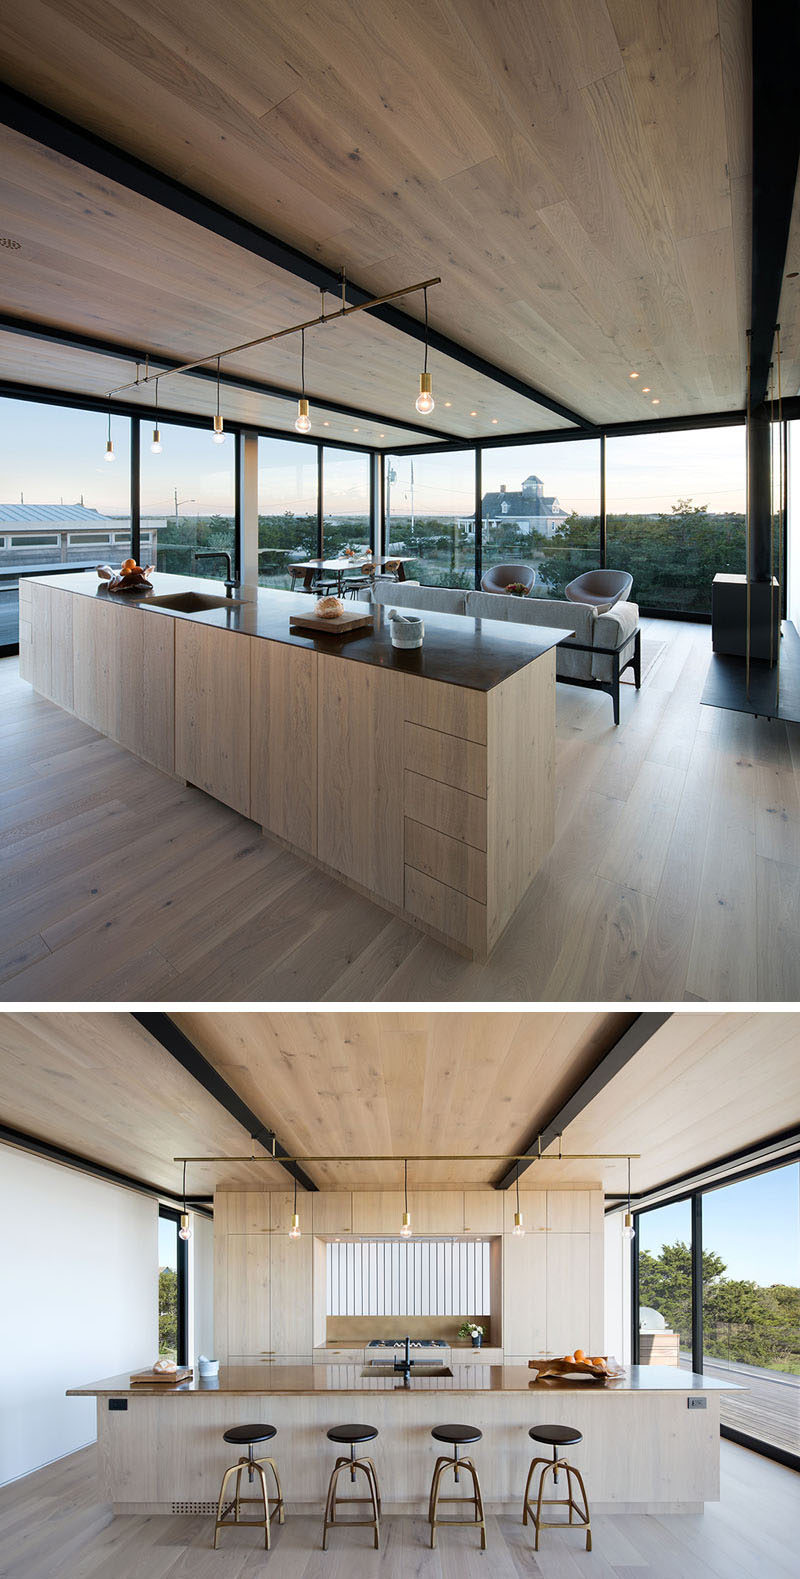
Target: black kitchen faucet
{"points": [[405, 1364]]}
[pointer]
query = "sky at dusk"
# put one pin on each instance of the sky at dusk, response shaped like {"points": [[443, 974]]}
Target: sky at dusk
{"points": [[51, 454]]}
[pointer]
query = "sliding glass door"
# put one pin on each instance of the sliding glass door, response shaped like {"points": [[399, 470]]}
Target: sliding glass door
{"points": [[172, 1287]]}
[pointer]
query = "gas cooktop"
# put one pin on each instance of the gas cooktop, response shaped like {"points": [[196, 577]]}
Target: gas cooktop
{"points": [[400, 1343]]}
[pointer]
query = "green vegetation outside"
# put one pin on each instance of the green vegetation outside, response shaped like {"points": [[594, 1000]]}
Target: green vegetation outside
{"points": [[742, 1321]]}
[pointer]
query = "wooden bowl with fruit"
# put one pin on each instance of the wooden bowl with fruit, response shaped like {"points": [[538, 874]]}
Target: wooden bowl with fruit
{"points": [[594, 1367], [129, 578]]}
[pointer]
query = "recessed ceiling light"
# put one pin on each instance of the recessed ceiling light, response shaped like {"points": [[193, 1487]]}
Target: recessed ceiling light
{"points": [[381, 435], [645, 389], [633, 375], [473, 413], [494, 419], [355, 430], [326, 424], [448, 402], [655, 402]]}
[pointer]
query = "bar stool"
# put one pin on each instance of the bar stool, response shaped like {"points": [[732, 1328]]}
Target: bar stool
{"points": [[458, 1436], [350, 1435], [247, 1435], [556, 1436]]}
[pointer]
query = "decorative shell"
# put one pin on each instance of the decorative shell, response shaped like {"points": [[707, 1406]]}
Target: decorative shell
{"points": [[329, 608], [164, 1366]]}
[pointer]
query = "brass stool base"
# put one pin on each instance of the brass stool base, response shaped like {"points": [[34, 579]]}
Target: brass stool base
{"points": [[581, 1520], [443, 1463], [264, 1501], [333, 1501]]}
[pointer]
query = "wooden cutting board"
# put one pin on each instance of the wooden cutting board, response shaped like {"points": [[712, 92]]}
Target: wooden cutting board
{"points": [[335, 627], [170, 1378]]}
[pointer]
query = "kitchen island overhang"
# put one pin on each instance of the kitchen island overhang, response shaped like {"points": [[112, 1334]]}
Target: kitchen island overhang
{"points": [[647, 1447], [423, 779]]}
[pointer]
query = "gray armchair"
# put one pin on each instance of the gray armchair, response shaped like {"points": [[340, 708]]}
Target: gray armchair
{"points": [[600, 588], [499, 577]]}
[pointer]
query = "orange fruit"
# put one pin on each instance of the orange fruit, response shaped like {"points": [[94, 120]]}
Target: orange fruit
{"points": [[568, 1358], [580, 1357], [128, 565]]}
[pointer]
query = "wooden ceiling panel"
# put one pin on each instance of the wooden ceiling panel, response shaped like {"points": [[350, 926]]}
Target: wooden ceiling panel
{"points": [[577, 172]]}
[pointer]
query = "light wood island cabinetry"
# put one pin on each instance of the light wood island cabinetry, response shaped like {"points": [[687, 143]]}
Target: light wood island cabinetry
{"points": [[434, 798]]}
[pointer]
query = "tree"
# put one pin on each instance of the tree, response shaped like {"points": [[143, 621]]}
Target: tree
{"points": [[168, 1311], [665, 1283], [741, 1319]]}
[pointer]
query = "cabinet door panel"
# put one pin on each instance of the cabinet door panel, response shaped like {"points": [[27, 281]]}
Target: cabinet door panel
{"points": [[525, 1282], [248, 1293], [361, 775], [283, 759], [212, 711], [145, 685], [290, 1298], [96, 679]]}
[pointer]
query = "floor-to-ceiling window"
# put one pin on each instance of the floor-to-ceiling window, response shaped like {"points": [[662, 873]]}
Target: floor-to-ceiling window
{"points": [[676, 513], [540, 507], [751, 1302], [60, 502], [287, 508], [430, 516], [346, 516], [172, 1287], [187, 501], [741, 1241]]}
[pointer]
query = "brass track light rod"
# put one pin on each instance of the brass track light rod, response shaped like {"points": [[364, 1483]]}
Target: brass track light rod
{"points": [[497, 1156], [280, 334]]}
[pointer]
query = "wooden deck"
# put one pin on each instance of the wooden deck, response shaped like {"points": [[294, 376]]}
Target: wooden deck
{"points": [[52, 1526], [769, 1410], [675, 873]]}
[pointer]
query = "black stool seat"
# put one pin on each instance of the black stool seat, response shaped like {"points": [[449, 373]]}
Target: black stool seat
{"points": [[249, 1433], [352, 1433], [556, 1435], [457, 1434]]}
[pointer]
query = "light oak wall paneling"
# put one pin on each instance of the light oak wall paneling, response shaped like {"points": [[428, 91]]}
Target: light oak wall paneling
{"points": [[574, 1305], [248, 1293], [575, 1211], [96, 677], [212, 711], [495, 1332], [291, 1302], [144, 650], [525, 1294], [246, 1211], [332, 1212], [533, 1205], [483, 1211], [319, 1281], [360, 827], [520, 791], [283, 750], [432, 1212]]}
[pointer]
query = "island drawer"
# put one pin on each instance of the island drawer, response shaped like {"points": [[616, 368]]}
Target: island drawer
{"points": [[453, 709], [449, 860], [451, 811], [456, 915], [461, 763]]}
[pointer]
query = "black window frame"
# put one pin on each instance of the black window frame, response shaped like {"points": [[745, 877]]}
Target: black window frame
{"points": [[173, 1215]]}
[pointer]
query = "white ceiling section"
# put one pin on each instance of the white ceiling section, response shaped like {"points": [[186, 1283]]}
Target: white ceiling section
{"points": [[338, 1084], [578, 172]]}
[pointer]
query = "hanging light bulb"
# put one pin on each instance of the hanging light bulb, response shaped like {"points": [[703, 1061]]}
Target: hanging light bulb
{"points": [[628, 1230], [184, 1232], [294, 1231], [302, 421], [424, 400], [519, 1228], [218, 435], [405, 1231], [156, 444], [110, 456]]}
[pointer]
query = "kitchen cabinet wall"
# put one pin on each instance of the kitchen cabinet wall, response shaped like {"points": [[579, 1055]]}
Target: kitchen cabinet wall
{"points": [[270, 1293]]}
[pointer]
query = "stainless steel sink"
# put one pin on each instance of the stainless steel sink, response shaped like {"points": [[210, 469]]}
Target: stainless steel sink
{"points": [[191, 602], [419, 1368]]}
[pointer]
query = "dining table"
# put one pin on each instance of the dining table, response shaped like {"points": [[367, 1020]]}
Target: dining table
{"points": [[337, 569]]}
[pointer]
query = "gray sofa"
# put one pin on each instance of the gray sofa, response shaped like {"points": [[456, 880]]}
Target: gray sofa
{"points": [[602, 647], [438, 600]]}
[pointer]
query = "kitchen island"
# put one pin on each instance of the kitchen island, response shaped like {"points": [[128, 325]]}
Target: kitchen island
{"points": [[647, 1446], [424, 779]]}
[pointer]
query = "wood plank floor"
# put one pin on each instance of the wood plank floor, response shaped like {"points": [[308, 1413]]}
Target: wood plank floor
{"points": [[675, 873], [53, 1527]]}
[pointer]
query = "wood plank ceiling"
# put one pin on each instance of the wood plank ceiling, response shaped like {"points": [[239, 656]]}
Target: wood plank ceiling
{"points": [[578, 171], [390, 1083]]}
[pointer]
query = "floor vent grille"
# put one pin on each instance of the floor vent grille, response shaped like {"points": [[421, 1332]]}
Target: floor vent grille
{"points": [[194, 1507]]}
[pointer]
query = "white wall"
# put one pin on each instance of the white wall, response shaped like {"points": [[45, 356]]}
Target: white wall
{"points": [[793, 527], [617, 1289], [79, 1262], [201, 1289]]}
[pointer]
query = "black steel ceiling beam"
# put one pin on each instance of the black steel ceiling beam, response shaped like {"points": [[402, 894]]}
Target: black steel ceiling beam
{"points": [[776, 152], [165, 1031], [611, 1064], [52, 334], [97, 1170], [65, 137]]}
